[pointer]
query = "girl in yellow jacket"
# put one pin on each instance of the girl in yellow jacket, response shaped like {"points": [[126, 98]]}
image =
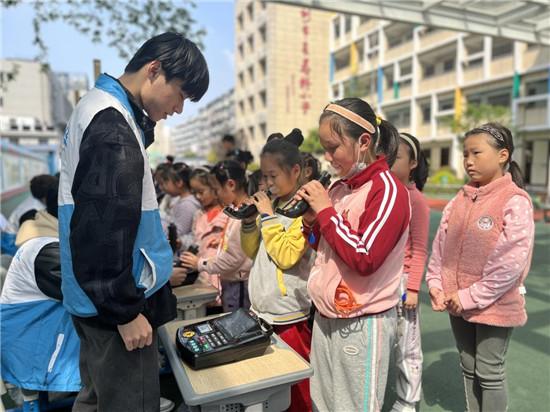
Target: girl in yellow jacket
{"points": [[278, 279]]}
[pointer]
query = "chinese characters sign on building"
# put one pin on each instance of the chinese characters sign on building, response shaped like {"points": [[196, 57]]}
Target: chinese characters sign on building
{"points": [[305, 69]]}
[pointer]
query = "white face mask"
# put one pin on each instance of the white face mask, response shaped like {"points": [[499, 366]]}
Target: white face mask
{"points": [[358, 165]]}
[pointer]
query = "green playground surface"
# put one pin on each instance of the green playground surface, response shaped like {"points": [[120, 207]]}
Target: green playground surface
{"points": [[528, 361]]}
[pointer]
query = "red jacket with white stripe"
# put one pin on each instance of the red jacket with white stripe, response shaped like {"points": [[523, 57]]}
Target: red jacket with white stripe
{"points": [[360, 244]]}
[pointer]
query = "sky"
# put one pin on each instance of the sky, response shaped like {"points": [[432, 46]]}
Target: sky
{"points": [[70, 51]]}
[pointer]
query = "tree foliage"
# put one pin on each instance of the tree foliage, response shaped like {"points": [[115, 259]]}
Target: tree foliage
{"points": [[123, 25], [311, 143], [477, 114]]}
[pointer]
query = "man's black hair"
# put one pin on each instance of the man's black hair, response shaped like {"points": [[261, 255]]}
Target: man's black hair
{"points": [[179, 57], [40, 184]]}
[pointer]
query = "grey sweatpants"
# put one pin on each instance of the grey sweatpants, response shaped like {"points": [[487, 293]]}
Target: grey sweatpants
{"points": [[114, 379], [408, 354], [350, 359], [482, 350]]}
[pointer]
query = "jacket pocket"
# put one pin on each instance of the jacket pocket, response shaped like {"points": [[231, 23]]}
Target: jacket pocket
{"points": [[148, 276]]}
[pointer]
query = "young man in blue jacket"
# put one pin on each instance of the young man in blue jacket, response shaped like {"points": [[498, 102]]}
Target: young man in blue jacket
{"points": [[115, 258]]}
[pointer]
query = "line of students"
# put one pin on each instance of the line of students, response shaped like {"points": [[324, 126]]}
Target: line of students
{"points": [[358, 256], [359, 253]]}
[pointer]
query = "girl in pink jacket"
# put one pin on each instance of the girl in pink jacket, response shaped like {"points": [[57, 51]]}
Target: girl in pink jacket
{"points": [[228, 180], [359, 229], [480, 257], [411, 168]]}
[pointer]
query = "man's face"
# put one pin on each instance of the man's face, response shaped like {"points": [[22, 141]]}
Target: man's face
{"points": [[161, 98]]}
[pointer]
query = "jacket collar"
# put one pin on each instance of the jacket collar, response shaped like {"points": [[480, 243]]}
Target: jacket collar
{"points": [[474, 192], [367, 174], [112, 86]]}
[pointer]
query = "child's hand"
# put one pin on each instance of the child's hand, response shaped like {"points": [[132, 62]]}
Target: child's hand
{"points": [[315, 195], [249, 201], [179, 275], [453, 304], [438, 299], [189, 260], [411, 301], [263, 203]]}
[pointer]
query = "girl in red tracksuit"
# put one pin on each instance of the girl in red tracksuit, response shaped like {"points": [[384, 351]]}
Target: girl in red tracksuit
{"points": [[359, 228]]}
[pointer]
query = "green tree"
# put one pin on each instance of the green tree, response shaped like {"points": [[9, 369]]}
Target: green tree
{"points": [[477, 114], [311, 143], [123, 25]]}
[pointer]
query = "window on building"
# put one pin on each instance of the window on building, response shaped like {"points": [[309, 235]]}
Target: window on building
{"points": [[241, 79], [429, 70], [241, 51], [251, 42], [263, 66], [373, 39], [251, 73], [43, 140], [251, 132], [363, 19], [347, 23], [502, 47], [536, 87], [449, 65], [263, 98], [405, 68], [250, 9], [446, 104], [336, 26], [388, 75], [262, 31], [1, 101], [503, 99], [426, 113], [251, 103], [445, 156], [241, 106], [263, 130], [240, 20]]}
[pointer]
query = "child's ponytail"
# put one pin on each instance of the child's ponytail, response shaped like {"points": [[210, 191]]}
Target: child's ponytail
{"points": [[388, 141], [419, 174]]}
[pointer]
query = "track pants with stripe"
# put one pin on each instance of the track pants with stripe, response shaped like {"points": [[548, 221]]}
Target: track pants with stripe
{"points": [[408, 355], [350, 359]]}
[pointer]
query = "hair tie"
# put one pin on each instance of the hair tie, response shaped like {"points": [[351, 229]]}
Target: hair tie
{"points": [[378, 120]]}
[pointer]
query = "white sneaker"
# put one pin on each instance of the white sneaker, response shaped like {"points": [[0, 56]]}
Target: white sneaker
{"points": [[166, 405]]}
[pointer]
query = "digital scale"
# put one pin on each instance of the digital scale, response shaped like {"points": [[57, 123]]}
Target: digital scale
{"points": [[230, 338]]}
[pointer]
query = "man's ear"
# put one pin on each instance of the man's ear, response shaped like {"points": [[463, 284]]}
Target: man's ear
{"points": [[153, 69]]}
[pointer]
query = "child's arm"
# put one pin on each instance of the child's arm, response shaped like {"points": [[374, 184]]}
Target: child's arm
{"points": [[433, 274], [250, 238], [419, 231], [230, 260], [284, 247], [509, 259], [381, 225]]}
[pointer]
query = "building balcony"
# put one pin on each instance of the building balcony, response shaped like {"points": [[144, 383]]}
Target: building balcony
{"points": [[437, 82], [398, 52], [436, 37], [536, 56], [502, 66], [473, 74]]}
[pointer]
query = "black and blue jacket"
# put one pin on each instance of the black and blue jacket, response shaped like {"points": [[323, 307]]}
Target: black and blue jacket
{"points": [[115, 258]]}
